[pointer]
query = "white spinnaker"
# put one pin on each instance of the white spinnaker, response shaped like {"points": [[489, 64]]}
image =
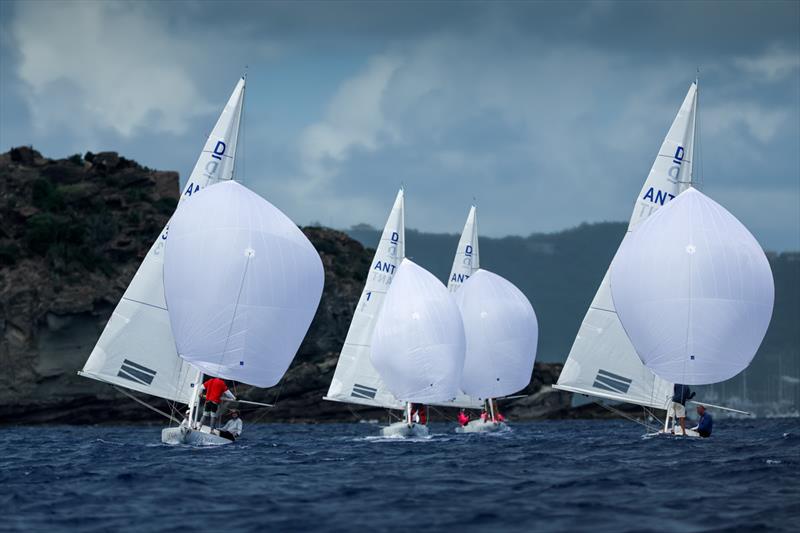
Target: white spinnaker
{"points": [[502, 334], [465, 263], [242, 284], [355, 380], [418, 343], [694, 291], [602, 361], [136, 349]]}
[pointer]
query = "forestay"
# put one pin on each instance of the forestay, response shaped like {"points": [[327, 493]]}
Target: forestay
{"points": [[418, 344], [501, 333], [355, 380], [242, 284], [602, 361], [694, 291], [136, 349]]}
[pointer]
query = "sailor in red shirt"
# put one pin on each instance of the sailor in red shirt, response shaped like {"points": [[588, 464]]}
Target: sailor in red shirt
{"points": [[216, 391]]}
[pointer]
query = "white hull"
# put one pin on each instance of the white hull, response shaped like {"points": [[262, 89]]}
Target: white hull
{"points": [[482, 426], [689, 433], [184, 435], [402, 429]]}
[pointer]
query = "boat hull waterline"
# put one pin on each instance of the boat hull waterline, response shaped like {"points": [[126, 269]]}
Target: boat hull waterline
{"points": [[402, 429], [483, 426], [185, 435]]}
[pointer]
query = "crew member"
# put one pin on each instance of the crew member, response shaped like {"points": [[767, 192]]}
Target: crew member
{"points": [[680, 395], [216, 391], [233, 427], [706, 423], [463, 418], [419, 413]]}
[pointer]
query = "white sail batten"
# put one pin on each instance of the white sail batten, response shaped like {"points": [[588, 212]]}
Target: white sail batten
{"points": [[136, 350], [502, 335], [418, 343], [355, 380], [602, 361], [703, 274], [242, 284]]}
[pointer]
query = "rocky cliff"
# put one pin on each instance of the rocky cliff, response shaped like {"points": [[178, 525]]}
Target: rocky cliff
{"points": [[72, 234]]}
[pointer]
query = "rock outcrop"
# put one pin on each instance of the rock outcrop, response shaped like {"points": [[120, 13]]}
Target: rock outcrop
{"points": [[72, 234]]}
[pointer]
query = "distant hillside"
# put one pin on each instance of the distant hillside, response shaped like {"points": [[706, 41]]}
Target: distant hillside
{"points": [[560, 273]]}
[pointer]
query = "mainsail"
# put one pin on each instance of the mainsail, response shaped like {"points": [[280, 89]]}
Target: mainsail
{"points": [[602, 361], [418, 343], [501, 332], [136, 349], [713, 291], [242, 284], [355, 379], [467, 259]]}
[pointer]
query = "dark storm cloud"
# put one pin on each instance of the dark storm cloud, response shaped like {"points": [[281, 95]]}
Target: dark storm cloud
{"points": [[550, 113]]}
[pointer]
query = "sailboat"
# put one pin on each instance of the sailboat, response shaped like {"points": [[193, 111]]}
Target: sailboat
{"points": [[136, 350], [694, 291], [418, 344], [501, 333], [355, 380], [603, 362], [465, 263], [242, 283]]}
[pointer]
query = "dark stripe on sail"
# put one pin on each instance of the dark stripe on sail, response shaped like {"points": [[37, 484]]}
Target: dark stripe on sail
{"points": [[140, 367], [603, 382], [362, 391], [136, 372], [608, 374], [598, 385], [123, 374]]}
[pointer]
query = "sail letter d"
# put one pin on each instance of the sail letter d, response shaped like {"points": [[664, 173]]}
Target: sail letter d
{"points": [[219, 150]]}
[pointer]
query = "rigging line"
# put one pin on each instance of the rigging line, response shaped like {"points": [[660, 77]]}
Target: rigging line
{"points": [[443, 415], [235, 308], [156, 409], [625, 415]]}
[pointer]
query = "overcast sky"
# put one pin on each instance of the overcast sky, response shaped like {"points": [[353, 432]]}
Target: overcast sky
{"points": [[549, 114]]}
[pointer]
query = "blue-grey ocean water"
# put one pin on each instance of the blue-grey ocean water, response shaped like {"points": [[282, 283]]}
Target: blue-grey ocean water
{"points": [[545, 476]]}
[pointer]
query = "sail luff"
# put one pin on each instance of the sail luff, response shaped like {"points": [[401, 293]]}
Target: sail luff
{"points": [[602, 358], [136, 349]]}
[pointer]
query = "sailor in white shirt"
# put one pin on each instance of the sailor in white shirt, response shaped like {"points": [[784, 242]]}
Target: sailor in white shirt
{"points": [[233, 427]]}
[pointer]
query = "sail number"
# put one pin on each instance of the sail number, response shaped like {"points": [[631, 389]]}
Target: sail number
{"points": [[210, 169]]}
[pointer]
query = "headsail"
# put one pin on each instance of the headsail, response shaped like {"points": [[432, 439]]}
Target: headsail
{"points": [[355, 379], [602, 361], [418, 344], [136, 349], [242, 284]]}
